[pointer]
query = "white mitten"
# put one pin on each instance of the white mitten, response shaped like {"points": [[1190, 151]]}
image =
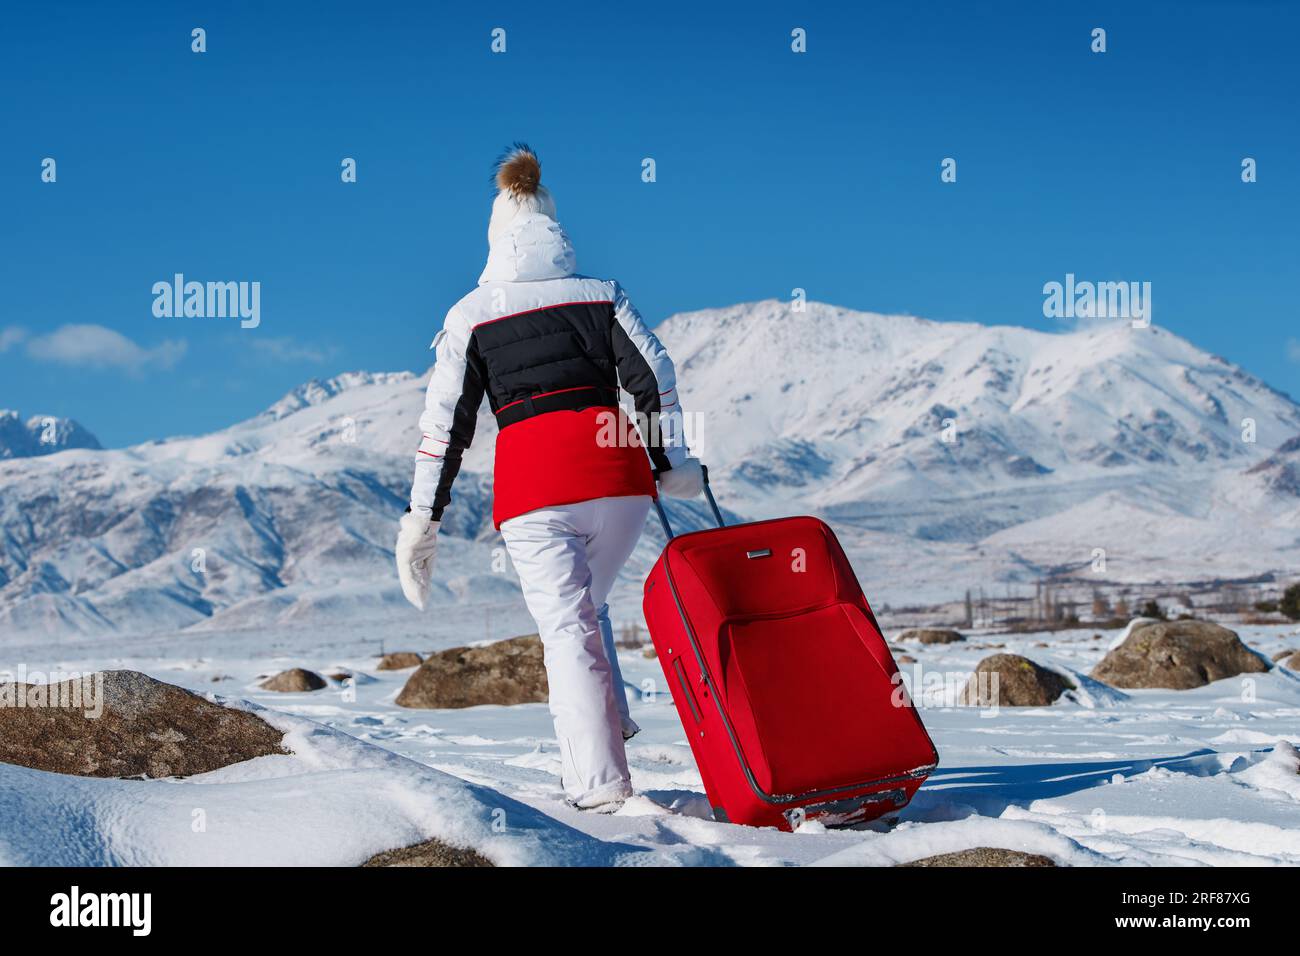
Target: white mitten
{"points": [[684, 481], [417, 542]]}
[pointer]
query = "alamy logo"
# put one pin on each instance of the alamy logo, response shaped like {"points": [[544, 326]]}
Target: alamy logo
{"points": [[1098, 300], [61, 690], [620, 429], [75, 908], [209, 300]]}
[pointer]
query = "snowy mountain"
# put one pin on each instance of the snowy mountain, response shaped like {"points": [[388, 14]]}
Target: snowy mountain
{"points": [[1281, 470], [40, 435], [987, 448], [852, 407], [947, 455]]}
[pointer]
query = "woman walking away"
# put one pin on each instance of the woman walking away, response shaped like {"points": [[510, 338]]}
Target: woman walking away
{"points": [[550, 349]]}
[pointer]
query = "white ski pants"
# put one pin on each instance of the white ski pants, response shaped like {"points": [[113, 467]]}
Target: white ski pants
{"points": [[567, 558]]}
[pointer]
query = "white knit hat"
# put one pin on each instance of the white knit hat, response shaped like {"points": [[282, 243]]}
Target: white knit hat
{"points": [[518, 177]]}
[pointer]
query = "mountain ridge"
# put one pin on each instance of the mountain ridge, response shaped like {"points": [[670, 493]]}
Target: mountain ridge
{"points": [[941, 452], [40, 435]]}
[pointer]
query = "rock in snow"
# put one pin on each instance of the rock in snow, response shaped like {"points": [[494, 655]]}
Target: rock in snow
{"points": [[931, 635], [506, 672], [430, 853], [1292, 662], [126, 724], [399, 660], [984, 856], [1177, 655], [294, 680], [1019, 683]]}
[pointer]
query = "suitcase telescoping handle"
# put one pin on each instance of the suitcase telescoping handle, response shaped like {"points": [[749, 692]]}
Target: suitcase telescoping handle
{"points": [[708, 493]]}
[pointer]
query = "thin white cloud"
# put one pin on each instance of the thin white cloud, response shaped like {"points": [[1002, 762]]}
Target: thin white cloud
{"points": [[11, 336], [1293, 349], [284, 349], [96, 346]]}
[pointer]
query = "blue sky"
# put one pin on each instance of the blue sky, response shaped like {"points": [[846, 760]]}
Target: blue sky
{"points": [[774, 171]]}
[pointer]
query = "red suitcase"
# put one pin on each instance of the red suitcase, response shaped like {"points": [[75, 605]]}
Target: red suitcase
{"points": [[785, 686]]}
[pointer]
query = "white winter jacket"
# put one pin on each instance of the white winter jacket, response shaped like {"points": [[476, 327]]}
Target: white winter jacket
{"points": [[550, 349]]}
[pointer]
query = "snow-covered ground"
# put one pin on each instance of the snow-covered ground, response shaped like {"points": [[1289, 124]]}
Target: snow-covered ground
{"points": [[1206, 776]]}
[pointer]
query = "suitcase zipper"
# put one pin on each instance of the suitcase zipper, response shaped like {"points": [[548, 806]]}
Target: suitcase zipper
{"points": [[680, 671]]}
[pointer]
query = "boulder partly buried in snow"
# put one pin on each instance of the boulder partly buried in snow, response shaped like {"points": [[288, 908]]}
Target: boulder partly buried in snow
{"points": [[126, 724], [506, 672], [931, 635], [1009, 680], [342, 675], [399, 661], [430, 853], [984, 856], [1177, 655], [294, 680]]}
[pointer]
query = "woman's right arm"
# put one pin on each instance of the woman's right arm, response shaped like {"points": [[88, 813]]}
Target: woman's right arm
{"points": [[450, 413], [646, 371]]}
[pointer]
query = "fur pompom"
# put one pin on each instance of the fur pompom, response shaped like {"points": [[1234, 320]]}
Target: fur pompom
{"points": [[518, 171]]}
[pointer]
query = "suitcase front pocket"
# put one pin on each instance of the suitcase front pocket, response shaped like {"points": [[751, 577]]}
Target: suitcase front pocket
{"points": [[811, 705]]}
